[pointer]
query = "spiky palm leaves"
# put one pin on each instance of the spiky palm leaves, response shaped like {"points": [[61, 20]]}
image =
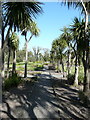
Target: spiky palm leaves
{"points": [[17, 13]]}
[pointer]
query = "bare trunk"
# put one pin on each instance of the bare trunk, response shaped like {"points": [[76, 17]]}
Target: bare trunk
{"points": [[88, 56], [63, 68], [2, 55], [57, 65], [14, 62], [85, 79], [85, 83], [2, 44], [87, 13], [26, 59], [69, 60], [62, 65], [76, 71], [87, 60], [8, 63], [86, 74]]}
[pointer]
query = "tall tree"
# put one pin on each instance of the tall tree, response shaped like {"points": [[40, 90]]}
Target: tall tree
{"points": [[58, 46], [76, 30], [36, 52], [32, 27], [85, 8], [14, 41], [68, 37], [15, 14]]}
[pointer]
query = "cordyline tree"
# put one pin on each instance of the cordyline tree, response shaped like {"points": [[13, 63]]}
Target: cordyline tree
{"points": [[15, 14], [78, 31], [13, 43], [66, 35], [85, 9], [32, 27], [58, 46]]}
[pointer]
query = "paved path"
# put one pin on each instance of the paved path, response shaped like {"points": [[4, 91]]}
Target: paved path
{"points": [[43, 99]]}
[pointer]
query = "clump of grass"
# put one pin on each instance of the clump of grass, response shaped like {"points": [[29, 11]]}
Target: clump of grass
{"points": [[39, 67], [71, 78], [81, 78], [12, 81]]}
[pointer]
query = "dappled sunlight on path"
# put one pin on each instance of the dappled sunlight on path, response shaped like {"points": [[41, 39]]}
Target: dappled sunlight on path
{"points": [[70, 105], [31, 101], [45, 98]]}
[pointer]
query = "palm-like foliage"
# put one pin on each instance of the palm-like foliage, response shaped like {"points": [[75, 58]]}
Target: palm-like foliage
{"points": [[68, 37], [78, 32], [17, 13], [58, 46], [85, 8], [81, 4], [32, 27], [80, 38], [14, 41]]}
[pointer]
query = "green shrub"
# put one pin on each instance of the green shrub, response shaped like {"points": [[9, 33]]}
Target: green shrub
{"points": [[71, 78], [38, 68], [12, 81], [80, 78]]}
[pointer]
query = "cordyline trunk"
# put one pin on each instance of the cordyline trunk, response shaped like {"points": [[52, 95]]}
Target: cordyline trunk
{"points": [[76, 65], [87, 67], [14, 62], [26, 58], [76, 70], [2, 56], [2, 25], [63, 68], [86, 73], [8, 63], [4, 43], [58, 62], [62, 65], [87, 60], [69, 60], [86, 80]]}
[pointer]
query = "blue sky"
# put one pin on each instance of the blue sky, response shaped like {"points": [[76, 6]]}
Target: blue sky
{"points": [[54, 18]]}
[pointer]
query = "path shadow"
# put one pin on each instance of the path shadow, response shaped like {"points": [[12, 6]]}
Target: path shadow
{"points": [[22, 102], [39, 100], [70, 104]]}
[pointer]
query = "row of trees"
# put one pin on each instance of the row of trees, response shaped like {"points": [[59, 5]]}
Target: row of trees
{"points": [[74, 41], [17, 17], [85, 9], [37, 54]]}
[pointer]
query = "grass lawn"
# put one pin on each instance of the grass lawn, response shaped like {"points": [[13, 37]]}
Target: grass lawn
{"points": [[32, 66]]}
